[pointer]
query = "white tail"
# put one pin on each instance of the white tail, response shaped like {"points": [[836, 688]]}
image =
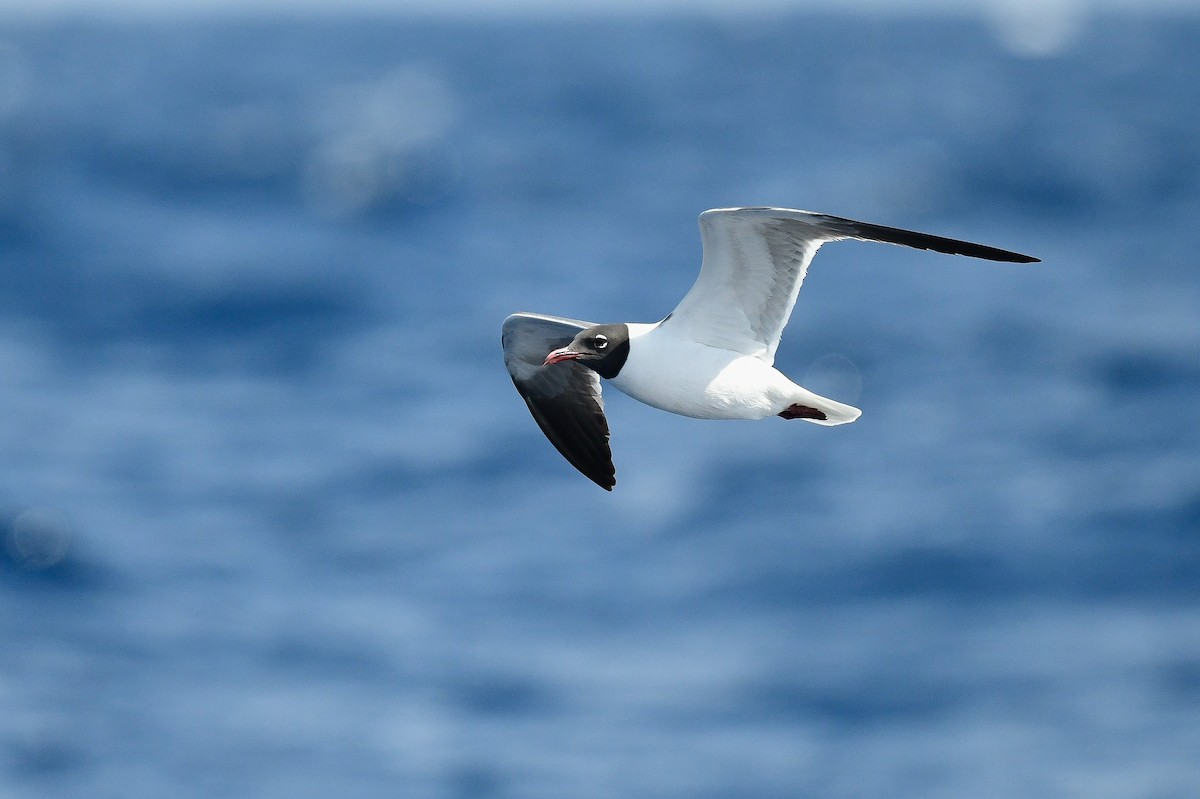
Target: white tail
{"points": [[819, 410]]}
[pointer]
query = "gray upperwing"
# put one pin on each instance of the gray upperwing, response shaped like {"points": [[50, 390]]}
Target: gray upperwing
{"points": [[756, 259], [563, 398]]}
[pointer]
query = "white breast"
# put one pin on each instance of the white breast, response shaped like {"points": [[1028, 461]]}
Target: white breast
{"points": [[683, 376]]}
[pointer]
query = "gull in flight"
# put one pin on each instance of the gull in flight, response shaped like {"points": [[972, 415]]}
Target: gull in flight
{"points": [[711, 357]]}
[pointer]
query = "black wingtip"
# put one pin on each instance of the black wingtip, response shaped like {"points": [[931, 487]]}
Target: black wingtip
{"points": [[605, 480], [922, 241], [1004, 255], [590, 456], [604, 477]]}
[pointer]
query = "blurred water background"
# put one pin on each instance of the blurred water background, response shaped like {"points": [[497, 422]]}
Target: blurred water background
{"points": [[277, 525]]}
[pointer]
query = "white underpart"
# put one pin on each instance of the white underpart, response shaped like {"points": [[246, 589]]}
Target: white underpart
{"points": [[678, 374]]}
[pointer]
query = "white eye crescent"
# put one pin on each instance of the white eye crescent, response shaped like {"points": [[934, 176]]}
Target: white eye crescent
{"points": [[600, 342]]}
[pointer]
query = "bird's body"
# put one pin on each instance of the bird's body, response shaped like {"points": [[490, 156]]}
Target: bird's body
{"points": [[710, 358], [678, 374]]}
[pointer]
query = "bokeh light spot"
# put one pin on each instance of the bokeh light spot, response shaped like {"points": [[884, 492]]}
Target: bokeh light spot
{"points": [[1037, 29], [38, 538]]}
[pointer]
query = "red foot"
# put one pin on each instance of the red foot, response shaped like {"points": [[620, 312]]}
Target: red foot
{"points": [[802, 412]]}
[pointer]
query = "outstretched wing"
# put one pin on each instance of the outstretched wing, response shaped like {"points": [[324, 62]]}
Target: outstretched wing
{"points": [[755, 260], [564, 398]]}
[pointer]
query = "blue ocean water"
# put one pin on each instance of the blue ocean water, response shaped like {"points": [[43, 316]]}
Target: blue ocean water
{"points": [[276, 523]]}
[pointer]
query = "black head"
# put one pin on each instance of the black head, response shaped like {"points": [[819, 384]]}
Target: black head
{"points": [[601, 348]]}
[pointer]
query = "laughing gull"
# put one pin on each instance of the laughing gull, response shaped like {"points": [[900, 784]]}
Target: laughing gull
{"points": [[710, 358]]}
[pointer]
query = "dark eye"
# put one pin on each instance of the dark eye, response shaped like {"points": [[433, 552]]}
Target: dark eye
{"points": [[600, 342]]}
